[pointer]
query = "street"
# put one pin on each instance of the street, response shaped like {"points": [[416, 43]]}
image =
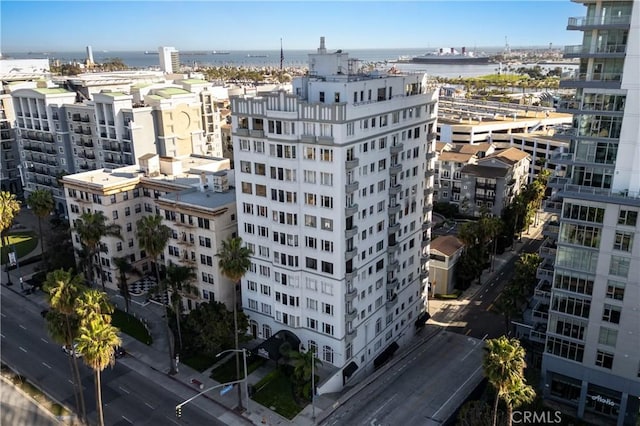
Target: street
{"points": [[425, 388], [129, 393]]}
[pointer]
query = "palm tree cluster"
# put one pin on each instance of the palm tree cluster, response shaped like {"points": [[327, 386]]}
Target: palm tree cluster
{"points": [[503, 364], [304, 365], [520, 213], [477, 237], [519, 289], [42, 204], [80, 319]]}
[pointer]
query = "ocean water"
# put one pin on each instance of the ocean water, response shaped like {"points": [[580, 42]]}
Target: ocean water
{"points": [[271, 58]]}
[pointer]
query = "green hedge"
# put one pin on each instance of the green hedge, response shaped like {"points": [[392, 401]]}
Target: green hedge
{"points": [[129, 324]]}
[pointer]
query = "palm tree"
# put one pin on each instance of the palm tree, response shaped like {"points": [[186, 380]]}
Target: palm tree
{"points": [[92, 303], [9, 208], [42, 204], [63, 288], [503, 365], [234, 260], [125, 268], [91, 228], [519, 393], [302, 368], [179, 281], [153, 236], [96, 343]]}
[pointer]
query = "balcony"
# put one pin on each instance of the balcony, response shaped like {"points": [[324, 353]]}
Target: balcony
{"points": [[426, 240], [352, 164], [392, 229], [427, 207], [256, 133], [351, 210], [591, 22], [431, 155], [558, 182], [393, 265], [553, 206], [352, 187], [395, 169], [561, 157], [429, 173], [396, 149], [350, 275], [351, 232], [551, 230], [351, 294], [75, 117], [545, 272], [392, 248], [351, 335], [428, 190], [596, 80], [350, 254], [86, 131], [186, 242], [84, 119], [392, 210], [607, 51], [395, 189], [351, 315], [537, 335], [392, 284], [392, 302], [427, 224]]}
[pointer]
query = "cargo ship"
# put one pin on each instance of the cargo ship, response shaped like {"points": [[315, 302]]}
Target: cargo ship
{"points": [[446, 56]]}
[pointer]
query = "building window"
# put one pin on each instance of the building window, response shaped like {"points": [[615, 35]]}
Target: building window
{"points": [[311, 263], [611, 314], [309, 221], [623, 241], [327, 267], [619, 266], [628, 217], [604, 359], [615, 290], [608, 336], [327, 352], [327, 224]]}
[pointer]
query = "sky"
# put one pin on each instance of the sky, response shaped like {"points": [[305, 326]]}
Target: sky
{"points": [[49, 26]]}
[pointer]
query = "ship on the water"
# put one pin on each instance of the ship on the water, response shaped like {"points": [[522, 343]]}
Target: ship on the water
{"points": [[220, 52], [446, 56]]}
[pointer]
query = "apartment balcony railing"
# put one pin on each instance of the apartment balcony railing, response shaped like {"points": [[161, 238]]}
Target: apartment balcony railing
{"points": [[537, 336], [352, 164], [351, 210], [395, 169], [553, 206], [551, 230], [610, 50], [625, 197], [392, 284], [395, 189], [428, 190], [84, 118], [606, 79], [392, 302], [429, 172], [393, 209], [397, 148], [393, 228], [558, 182], [392, 248], [352, 187], [351, 294], [581, 22], [350, 275], [351, 232], [426, 240], [351, 335], [427, 208], [350, 254]]}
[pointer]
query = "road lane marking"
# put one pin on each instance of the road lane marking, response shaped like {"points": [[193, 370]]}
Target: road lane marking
{"points": [[467, 333], [70, 381], [22, 326], [130, 422], [44, 340], [46, 365], [490, 306], [149, 405], [22, 349], [124, 390], [172, 421], [454, 394], [2, 335]]}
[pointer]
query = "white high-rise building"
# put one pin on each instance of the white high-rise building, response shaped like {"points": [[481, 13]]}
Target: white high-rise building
{"points": [[591, 363], [169, 59], [334, 191]]}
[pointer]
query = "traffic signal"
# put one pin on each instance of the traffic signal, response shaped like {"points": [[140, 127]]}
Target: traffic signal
{"points": [[178, 411]]}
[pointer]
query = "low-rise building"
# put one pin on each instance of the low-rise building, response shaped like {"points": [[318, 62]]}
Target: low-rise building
{"points": [[443, 257]]}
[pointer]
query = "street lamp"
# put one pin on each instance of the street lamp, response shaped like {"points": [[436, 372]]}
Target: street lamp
{"points": [[246, 376]]}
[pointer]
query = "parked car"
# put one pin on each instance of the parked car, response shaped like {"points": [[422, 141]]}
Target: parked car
{"points": [[67, 350]]}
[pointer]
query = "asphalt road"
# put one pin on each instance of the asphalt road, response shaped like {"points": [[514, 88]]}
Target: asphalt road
{"points": [[425, 388], [130, 395], [18, 410], [478, 319]]}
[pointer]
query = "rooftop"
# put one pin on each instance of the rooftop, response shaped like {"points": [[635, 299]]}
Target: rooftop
{"points": [[447, 244], [513, 155], [455, 156], [485, 171], [53, 91], [207, 199]]}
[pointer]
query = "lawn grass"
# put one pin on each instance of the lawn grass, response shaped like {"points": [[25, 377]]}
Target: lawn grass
{"points": [[24, 242], [132, 326], [276, 391], [200, 362], [226, 372]]}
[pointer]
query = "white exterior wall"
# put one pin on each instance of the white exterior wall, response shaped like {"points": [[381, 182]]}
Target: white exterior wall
{"points": [[363, 297]]}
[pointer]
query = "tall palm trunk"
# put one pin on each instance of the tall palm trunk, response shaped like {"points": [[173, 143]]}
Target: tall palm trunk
{"points": [[509, 414], [495, 410], [235, 336], [177, 309], [41, 236], [172, 367], [100, 269], [76, 373], [99, 399]]}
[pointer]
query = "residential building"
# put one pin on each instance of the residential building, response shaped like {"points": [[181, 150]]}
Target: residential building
{"points": [[591, 364], [443, 257], [43, 138], [334, 199], [194, 196], [10, 158], [169, 59]]}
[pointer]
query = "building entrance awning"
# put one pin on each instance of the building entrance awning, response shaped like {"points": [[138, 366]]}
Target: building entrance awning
{"points": [[349, 369], [385, 355]]}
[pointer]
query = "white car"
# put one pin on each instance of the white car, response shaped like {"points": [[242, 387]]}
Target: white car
{"points": [[67, 350]]}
